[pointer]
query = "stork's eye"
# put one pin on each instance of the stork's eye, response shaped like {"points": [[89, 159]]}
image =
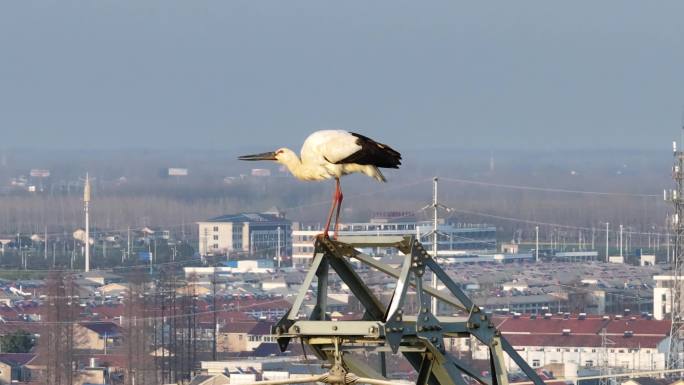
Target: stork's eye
{"points": [[279, 152]]}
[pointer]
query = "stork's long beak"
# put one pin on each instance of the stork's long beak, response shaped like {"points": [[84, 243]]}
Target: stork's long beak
{"points": [[263, 156]]}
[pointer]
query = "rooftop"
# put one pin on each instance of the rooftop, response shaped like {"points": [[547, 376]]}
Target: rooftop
{"points": [[558, 331], [109, 328], [249, 217]]}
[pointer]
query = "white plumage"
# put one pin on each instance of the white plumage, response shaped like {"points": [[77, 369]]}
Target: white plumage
{"points": [[329, 154]]}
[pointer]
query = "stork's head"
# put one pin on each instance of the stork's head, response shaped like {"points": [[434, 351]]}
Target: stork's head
{"points": [[281, 155]]}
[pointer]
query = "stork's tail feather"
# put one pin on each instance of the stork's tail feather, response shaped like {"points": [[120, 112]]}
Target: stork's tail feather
{"points": [[377, 174]]}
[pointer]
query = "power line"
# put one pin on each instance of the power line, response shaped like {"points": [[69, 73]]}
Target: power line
{"points": [[550, 224], [108, 269], [302, 206], [151, 318], [550, 189]]}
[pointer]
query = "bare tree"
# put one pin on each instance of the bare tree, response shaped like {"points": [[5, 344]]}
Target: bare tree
{"points": [[57, 341], [136, 324]]}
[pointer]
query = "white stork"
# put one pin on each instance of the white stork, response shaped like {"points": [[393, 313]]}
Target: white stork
{"points": [[329, 154]]}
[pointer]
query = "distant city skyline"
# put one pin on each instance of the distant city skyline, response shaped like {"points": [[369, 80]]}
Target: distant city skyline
{"points": [[235, 74]]}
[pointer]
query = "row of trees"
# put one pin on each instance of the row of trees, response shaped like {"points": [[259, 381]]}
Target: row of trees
{"points": [[161, 340], [69, 253]]}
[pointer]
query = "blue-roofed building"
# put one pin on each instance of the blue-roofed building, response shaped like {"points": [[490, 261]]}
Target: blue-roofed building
{"points": [[255, 234]]}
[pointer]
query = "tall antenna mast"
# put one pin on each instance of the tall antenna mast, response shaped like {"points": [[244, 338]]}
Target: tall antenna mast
{"points": [[674, 360], [86, 204], [435, 206], [604, 364]]}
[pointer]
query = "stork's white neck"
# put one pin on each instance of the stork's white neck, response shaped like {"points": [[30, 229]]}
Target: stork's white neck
{"points": [[299, 169], [288, 158]]}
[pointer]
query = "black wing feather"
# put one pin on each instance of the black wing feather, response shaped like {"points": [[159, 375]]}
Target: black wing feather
{"points": [[373, 153]]}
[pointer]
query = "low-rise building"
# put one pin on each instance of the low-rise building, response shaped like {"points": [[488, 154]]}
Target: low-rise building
{"points": [[210, 379], [531, 304], [630, 343], [575, 256], [264, 234], [13, 367], [458, 240], [243, 336]]}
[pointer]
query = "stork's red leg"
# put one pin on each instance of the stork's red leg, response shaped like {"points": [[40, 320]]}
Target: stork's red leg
{"points": [[332, 208], [340, 196]]}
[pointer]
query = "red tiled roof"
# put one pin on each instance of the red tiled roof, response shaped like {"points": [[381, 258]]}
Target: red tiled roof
{"points": [[237, 327], [12, 327], [253, 327], [524, 331], [224, 316], [116, 360], [249, 305], [582, 341], [550, 326], [593, 326], [639, 326], [17, 359]]}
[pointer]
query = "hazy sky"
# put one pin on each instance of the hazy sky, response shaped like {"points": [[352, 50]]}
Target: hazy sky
{"points": [[226, 74]]}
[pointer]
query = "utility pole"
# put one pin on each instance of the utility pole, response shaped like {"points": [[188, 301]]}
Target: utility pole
{"points": [[279, 251], [536, 243], [607, 239], [45, 251], [605, 365], [435, 206], [677, 323], [620, 240], [128, 242], [86, 204], [183, 227]]}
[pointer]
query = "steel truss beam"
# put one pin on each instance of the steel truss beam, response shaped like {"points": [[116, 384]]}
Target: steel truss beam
{"points": [[419, 337]]}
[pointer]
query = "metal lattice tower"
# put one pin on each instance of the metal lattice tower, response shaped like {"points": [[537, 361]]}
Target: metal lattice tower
{"points": [[674, 359], [418, 334]]}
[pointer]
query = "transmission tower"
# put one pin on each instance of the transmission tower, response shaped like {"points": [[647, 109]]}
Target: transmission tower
{"points": [[676, 310], [397, 327]]}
